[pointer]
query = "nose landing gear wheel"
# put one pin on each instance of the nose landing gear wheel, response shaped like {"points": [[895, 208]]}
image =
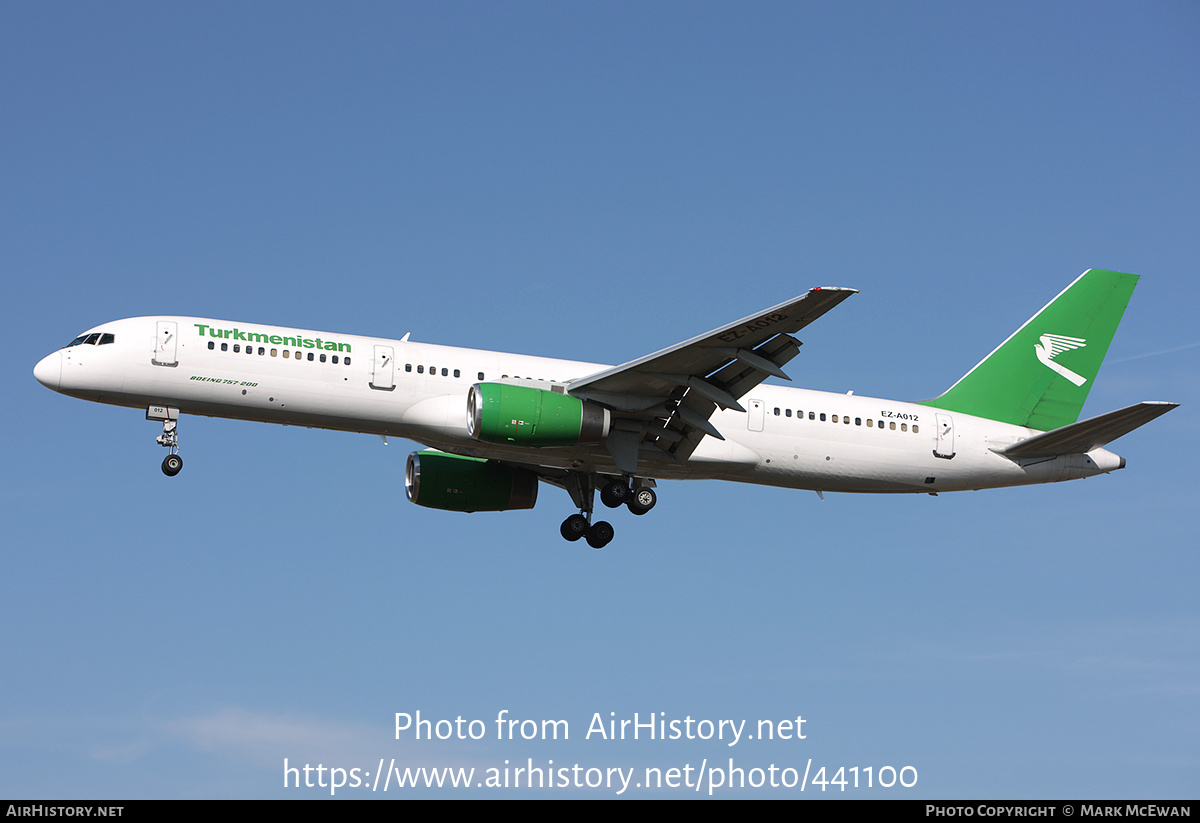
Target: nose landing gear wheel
{"points": [[172, 464], [169, 439]]}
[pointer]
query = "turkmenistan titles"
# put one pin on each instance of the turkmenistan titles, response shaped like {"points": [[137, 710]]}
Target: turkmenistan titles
{"points": [[295, 340]]}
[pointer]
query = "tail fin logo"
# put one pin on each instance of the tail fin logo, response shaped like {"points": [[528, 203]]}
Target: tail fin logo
{"points": [[1051, 346]]}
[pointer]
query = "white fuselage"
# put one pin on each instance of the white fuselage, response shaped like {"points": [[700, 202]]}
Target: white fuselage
{"points": [[788, 437]]}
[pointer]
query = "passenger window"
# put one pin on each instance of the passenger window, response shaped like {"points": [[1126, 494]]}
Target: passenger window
{"points": [[211, 345], [822, 417], [480, 375], [274, 352], [335, 359], [322, 358], [787, 413], [776, 411], [286, 354], [408, 367], [420, 369], [261, 351], [903, 427], [914, 428], [835, 418], [892, 425], [457, 373], [346, 361], [858, 421], [445, 372], [224, 347], [812, 416], [310, 357]]}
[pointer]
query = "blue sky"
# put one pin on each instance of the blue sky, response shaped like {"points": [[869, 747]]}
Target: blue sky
{"points": [[594, 181]]}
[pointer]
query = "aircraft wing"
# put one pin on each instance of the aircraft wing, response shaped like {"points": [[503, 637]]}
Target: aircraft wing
{"points": [[665, 399]]}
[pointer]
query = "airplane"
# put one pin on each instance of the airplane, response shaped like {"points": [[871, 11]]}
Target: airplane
{"points": [[496, 425]]}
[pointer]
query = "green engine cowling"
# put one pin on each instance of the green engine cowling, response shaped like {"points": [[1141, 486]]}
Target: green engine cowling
{"points": [[467, 484], [453, 482], [499, 413]]}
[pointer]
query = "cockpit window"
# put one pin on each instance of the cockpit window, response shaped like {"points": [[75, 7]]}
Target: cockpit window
{"points": [[94, 339]]}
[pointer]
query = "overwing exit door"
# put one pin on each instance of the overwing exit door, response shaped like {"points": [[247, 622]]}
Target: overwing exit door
{"points": [[755, 415]]}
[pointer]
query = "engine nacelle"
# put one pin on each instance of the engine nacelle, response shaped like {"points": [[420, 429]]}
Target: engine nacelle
{"points": [[467, 484], [499, 413]]}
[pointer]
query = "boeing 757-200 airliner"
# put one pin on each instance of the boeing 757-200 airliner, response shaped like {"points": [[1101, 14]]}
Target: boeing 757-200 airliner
{"points": [[496, 424]]}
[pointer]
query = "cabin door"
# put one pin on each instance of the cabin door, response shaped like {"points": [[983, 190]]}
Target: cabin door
{"points": [[945, 436], [165, 335], [383, 369]]}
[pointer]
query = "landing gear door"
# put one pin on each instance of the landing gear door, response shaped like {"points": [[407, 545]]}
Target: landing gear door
{"points": [[165, 335], [755, 415], [945, 436], [383, 369]]}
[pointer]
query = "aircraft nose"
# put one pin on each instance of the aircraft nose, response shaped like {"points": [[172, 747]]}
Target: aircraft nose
{"points": [[48, 371]]}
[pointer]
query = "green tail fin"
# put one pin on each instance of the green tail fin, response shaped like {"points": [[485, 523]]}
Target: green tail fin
{"points": [[1040, 376]]}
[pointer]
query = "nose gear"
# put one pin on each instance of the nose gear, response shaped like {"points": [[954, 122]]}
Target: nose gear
{"points": [[172, 464]]}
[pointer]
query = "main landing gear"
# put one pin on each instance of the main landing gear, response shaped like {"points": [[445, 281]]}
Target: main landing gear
{"points": [[634, 493], [598, 534], [639, 499]]}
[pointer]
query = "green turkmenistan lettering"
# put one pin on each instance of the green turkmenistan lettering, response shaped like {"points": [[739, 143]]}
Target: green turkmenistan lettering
{"points": [[293, 339]]}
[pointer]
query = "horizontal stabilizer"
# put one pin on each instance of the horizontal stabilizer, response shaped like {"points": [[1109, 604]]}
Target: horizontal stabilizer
{"points": [[1082, 437]]}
